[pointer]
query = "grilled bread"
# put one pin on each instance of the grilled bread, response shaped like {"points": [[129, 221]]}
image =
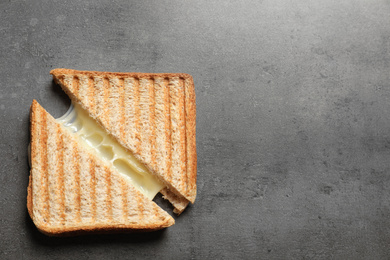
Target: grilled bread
{"points": [[151, 115], [72, 191]]}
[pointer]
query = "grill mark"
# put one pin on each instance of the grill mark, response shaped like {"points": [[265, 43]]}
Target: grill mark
{"points": [[52, 156], [137, 115], [77, 184], [60, 185], [121, 108], [140, 205], [106, 93], [168, 129], [45, 179], [124, 200], [95, 95], [75, 86], [90, 95], [92, 170], [109, 93], [83, 89], [109, 197], [152, 120]]}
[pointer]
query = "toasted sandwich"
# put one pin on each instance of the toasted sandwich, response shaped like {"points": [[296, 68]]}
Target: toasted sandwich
{"points": [[127, 137]]}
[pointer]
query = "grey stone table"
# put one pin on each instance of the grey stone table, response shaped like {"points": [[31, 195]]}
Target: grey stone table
{"points": [[293, 101]]}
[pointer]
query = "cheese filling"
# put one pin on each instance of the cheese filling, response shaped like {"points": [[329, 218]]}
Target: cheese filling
{"points": [[92, 136]]}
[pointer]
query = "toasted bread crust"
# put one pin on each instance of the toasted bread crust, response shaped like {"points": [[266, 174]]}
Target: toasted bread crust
{"points": [[99, 229], [29, 196], [29, 187], [190, 119], [103, 229], [55, 220], [179, 203], [61, 71], [183, 182]]}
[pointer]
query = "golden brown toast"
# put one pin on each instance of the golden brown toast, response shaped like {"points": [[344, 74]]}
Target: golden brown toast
{"points": [[72, 191], [151, 115]]}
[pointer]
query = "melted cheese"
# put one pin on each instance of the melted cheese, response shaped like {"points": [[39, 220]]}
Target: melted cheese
{"points": [[95, 138]]}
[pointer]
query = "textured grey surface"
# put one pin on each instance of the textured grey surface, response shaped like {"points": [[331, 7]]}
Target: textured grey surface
{"points": [[292, 121]]}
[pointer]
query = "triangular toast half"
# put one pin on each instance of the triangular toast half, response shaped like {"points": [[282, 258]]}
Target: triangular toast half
{"points": [[151, 115], [72, 191]]}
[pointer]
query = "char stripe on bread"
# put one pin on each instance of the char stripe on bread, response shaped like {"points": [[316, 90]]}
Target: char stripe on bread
{"points": [[144, 118], [45, 178], [75, 84], [90, 94], [150, 102], [77, 186], [72, 183], [101, 210], [106, 103], [52, 166], [60, 189], [87, 194]]}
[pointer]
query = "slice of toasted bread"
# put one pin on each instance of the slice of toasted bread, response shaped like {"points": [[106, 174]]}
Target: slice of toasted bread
{"points": [[151, 115], [72, 191]]}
